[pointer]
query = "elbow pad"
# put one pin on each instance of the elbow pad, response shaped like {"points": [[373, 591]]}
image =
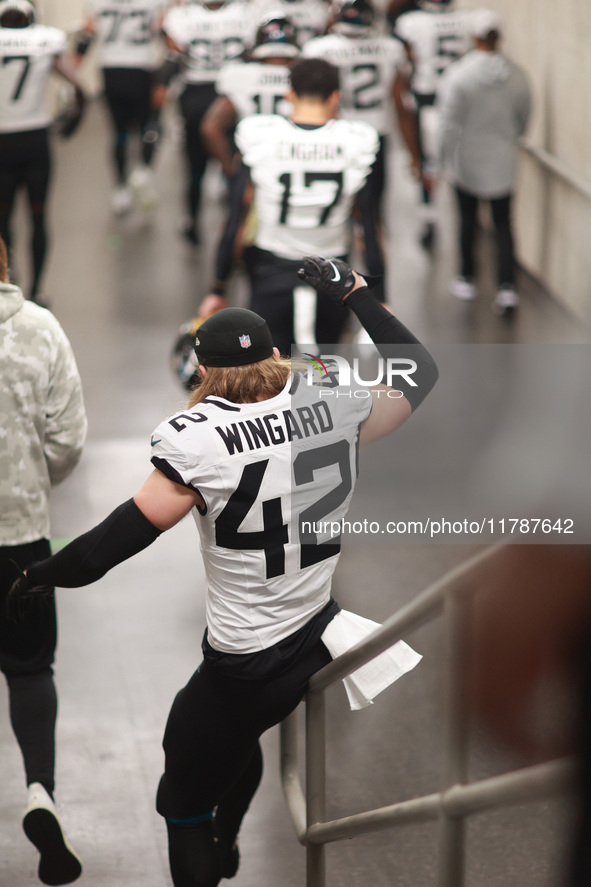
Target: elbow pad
{"points": [[125, 532]]}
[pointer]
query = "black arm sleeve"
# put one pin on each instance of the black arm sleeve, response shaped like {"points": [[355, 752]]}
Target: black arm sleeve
{"points": [[367, 203], [385, 331], [225, 252], [125, 532]]}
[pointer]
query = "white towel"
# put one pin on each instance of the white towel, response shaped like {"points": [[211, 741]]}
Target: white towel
{"points": [[348, 629]]}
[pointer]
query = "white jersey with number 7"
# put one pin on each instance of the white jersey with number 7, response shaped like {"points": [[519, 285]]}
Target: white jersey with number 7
{"points": [[26, 59]]}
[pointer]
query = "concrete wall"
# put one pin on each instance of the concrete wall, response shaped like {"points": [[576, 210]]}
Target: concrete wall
{"points": [[553, 222]]}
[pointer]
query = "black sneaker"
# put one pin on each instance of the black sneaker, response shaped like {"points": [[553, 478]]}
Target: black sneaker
{"points": [[58, 863]]}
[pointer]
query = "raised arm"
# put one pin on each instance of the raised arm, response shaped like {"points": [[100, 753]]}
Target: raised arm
{"points": [[334, 279]]}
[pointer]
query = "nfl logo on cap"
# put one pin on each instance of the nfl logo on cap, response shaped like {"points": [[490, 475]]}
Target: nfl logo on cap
{"points": [[245, 341]]}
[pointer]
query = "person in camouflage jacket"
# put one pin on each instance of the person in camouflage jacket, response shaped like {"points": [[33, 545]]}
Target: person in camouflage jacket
{"points": [[42, 432]]}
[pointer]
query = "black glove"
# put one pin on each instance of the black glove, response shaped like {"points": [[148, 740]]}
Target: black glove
{"points": [[21, 594], [332, 278]]}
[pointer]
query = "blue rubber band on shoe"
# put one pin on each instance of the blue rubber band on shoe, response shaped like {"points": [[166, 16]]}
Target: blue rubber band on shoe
{"points": [[192, 820]]}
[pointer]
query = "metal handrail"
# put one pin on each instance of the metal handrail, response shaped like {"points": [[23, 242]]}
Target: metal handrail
{"points": [[458, 799], [556, 166]]}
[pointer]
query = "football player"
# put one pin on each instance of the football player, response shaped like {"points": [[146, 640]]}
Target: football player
{"points": [[368, 62], [256, 86], [248, 458], [202, 37], [129, 42], [303, 176], [29, 53], [434, 36]]}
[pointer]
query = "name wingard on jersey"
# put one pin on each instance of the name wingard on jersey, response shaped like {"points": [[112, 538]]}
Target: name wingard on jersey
{"points": [[276, 428]]}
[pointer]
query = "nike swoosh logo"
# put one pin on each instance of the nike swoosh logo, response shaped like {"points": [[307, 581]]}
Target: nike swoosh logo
{"points": [[154, 442], [337, 275]]}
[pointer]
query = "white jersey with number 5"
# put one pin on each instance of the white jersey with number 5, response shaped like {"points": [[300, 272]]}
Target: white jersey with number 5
{"points": [[128, 32], [255, 87], [367, 67], [271, 475], [26, 59], [209, 37], [436, 39], [305, 181]]}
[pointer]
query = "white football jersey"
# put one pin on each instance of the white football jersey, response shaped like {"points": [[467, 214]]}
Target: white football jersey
{"points": [[436, 39], [26, 59], [128, 32], [305, 179], [255, 88], [269, 473], [310, 17], [367, 67], [209, 37]]}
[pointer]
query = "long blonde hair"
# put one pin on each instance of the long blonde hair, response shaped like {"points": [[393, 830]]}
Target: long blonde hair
{"points": [[243, 384], [3, 263]]}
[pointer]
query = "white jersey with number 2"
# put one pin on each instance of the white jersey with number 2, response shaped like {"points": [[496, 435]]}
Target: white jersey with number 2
{"points": [[26, 59], [367, 67], [305, 180], [271, 474]]}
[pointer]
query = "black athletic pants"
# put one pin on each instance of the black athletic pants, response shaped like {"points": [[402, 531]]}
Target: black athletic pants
{"points": [[27, 648], [276, 295], [211, 742], [25, 163], [423, 101], [376, 182], [194, 102], [501, 213], [128, 94]]}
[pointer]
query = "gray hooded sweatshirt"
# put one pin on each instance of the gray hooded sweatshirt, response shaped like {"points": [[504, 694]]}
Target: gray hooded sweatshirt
{"points": [[42, 416], [484, 103]]}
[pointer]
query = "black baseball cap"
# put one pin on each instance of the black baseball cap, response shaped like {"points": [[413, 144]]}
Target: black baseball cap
{"points": [[233, 337]]}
